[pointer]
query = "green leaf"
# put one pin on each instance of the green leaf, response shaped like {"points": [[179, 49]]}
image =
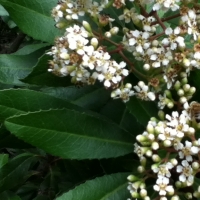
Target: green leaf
{"points": [[108, 187], [92, 97], [33, 18], [71, 134], [15, 172], [8, 195], [142, 110], [30, 48], [3, 12], [15, 67], [8, 140], [20, 101], [3, 159], [41, 76]]}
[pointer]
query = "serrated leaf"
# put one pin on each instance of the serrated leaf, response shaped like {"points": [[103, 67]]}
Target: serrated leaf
{"points": [[71, 134], [142, 110], [15, 171], [15, 67], [33, 18], [108, 187], [41, 76], [20, 101]]}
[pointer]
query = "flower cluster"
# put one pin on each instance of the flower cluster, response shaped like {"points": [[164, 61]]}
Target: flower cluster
{"points": [[175, 137], [162, 50], [113, 41]]}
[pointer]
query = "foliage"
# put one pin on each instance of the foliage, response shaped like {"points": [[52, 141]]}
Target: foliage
{"points": [[67, 131]]}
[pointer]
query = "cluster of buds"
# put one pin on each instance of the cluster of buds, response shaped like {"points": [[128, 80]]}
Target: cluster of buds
{"points": [[169, 153]]}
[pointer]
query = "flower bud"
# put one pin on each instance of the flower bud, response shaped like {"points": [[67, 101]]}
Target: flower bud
{"points": [[177, 85], [168, 94], [132, 178], [141, 169], [146, 67], [183, 100], [180, 92], [167, 143], [156, 158], [184, 80], [174, 161], [175, 197], [114, 30], [108, 34], [155, 43], [143, 193], [94, 42], [155, 145], [192, 90], [150, 128], [161, 114], [87, 27], [195, 165], [170, 105]]}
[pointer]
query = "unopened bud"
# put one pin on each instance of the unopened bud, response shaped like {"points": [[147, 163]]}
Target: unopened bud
{"points": [[143, 193], [108, 34], [180, 92], [146, 67], [177, 85], [167, 143], [195, 165], [184, 81], [87, 27], [192, 90], [141, 169], [155, 145], [183, 100], [156, 158], [170, 105], [132, 178], [114, 30], [161, 114], [94, 42], [186, 87]]}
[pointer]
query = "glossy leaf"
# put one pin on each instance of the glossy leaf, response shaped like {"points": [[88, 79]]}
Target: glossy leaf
{"points": [[41, 76], [19, 101], [33, 18], [142, 110], [15, 67], [71, 134], [108, 187]]}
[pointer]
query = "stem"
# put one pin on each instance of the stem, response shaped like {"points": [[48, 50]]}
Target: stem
{"points": [[167, 18], [156, 36], [159, 21]]}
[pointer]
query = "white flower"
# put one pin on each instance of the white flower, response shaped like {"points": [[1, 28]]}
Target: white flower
{"points": [[143, 92], [173, 38], [139, 40], [186, 171], [163, 170], [187, 151], [162, 186]]}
